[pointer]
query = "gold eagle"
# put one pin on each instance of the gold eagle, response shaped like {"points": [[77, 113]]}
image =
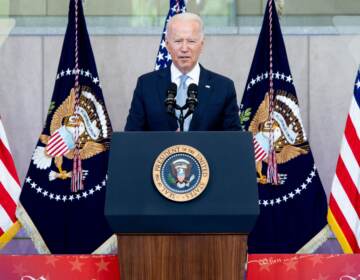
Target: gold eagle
{"points": [[88, 147], [285, 151]]}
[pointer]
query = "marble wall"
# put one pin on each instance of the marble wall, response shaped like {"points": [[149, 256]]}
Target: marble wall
{"points": [[323, 68]]}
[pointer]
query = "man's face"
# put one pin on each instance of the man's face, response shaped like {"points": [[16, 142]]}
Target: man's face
{"points": [[184, 42]]}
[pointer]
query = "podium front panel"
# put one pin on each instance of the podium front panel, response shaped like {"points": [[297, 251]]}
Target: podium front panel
{"points": [[229, 204]]}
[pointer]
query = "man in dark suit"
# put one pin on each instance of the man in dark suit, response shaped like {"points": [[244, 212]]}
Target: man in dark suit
{"points": [[217, 107]]}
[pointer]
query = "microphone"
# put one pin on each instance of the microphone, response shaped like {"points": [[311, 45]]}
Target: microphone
{"points": [[170, 101], [192, 100]]}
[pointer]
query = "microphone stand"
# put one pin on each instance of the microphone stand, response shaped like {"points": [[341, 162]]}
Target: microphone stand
{"points": [[181, 118], [190, 104]]}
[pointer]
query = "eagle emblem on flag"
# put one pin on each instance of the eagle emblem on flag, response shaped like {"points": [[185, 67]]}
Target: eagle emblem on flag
{"points": [[289, 135], [94, 131]]}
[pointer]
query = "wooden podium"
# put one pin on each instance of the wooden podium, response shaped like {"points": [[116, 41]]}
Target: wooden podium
{"points": [[205, 238], [182, 257]]}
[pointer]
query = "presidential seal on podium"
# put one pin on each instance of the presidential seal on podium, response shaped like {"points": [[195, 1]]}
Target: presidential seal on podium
{"points": [[181, 173]]}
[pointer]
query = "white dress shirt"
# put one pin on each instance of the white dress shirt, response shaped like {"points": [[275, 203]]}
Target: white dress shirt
{"points": [[194, 76]]}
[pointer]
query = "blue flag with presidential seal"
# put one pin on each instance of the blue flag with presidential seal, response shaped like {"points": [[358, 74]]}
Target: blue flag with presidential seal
{"points": [[61, 211], [292, 203], [163, 58]]}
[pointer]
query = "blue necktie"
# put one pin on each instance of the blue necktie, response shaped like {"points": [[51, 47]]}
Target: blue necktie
{"points": [[181, 97]]}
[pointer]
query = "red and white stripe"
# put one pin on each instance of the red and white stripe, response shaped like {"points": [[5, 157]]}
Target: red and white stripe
{"points": [[9, 185], [344, 205], [56, 145], [259, 152]]}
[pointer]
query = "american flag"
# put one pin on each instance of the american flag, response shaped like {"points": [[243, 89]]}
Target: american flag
{"points": [[9, 191], [163, 58], [344, 204]]}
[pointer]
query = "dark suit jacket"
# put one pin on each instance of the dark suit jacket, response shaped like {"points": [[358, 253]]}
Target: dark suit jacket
{"points": [[217, 108]]}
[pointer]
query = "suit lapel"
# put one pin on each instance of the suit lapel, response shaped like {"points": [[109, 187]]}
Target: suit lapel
{"points": [[204, 94]]}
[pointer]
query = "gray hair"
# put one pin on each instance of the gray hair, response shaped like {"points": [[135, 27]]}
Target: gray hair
{"points": [[187, 17]]}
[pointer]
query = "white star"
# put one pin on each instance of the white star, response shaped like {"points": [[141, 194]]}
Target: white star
{"points": [[87, 73], [157, 67], [163, 44], [68, 72], [57, 197], [45, 193], [266, 75], [91, 191], [265, 203], [285, 198], [28, 180], [168, 57], [71, 197], [289, 78], [33, 185], [277, 75], [78, 196], [308, 180], [77, 71], [303, 186], [248, 87], [95, 80], [291, 195], [258, 78], [64, 198], [74, 71], [282, 76], [82, 72], [358, 84], [174, 8], [278, 200], [253, 82], [85, 194], [57, 76], [62, 73], [38, 190], [297, 191], [183, 9], [271, 202], [51, 196], [160, 56], [259, 202], [98, 188], [312, 174], [103, 183]]}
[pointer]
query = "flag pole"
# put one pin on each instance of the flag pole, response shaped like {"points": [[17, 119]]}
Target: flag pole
{"points": [[76, 180], [272, 173]]}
